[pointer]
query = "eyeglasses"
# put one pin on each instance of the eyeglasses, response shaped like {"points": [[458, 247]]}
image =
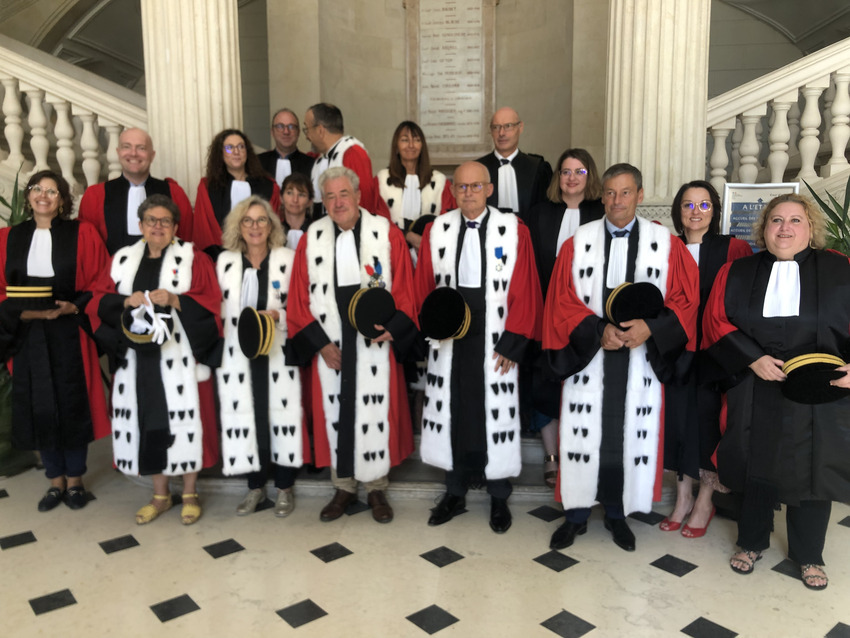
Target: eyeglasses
{"points": [[507, 128], [475, 187], [49, 192], [232, 148], [704, 206], [285, 127], [163, 222], [250, 222], [566, 172], [306, 128]]}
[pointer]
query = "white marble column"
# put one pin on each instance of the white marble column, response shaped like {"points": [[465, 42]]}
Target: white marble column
{"points": [[194, 86], [657, 91]]}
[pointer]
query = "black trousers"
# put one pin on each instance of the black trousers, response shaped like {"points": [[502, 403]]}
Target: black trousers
{"points": [[457, 484], [806, 523]]}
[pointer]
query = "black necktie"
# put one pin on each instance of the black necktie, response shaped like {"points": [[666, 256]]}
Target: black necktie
{"points": [[472, 224], [503, 161], [620, 233]]}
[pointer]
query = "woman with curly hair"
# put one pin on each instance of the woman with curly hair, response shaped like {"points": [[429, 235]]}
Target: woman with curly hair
{"points": [[234, 173], [787, 438]]}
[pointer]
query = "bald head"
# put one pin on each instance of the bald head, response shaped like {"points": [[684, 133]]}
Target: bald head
{"points": [[471, 188], [135, 153], [505, 127]]}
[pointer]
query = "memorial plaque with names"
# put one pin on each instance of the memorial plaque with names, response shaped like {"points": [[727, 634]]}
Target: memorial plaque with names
{"points": [[450, 75]]}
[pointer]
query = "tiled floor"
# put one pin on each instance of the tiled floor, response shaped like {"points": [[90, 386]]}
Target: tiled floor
{"points": [[93, 572]]}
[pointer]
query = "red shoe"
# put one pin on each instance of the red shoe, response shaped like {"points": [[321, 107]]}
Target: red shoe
{"points": [[669, 526], [697, 532]]}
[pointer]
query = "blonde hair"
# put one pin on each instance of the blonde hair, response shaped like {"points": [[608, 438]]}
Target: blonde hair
{"points": [[231, 236], [817, 222]]}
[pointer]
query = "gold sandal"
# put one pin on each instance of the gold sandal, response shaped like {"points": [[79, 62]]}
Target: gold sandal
{"points": [[191, 512], [149, 512]]}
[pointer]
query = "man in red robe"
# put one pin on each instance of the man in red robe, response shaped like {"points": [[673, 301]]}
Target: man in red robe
{"points": [[612, 398], [361, 421], [324, 129], [111, 206], [471, 422]]}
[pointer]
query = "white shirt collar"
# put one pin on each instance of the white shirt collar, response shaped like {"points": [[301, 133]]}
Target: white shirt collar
{"points": [[509, 157]]}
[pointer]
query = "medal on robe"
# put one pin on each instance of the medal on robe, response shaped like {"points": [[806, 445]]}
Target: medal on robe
{"points": [[376, 279], [500, 255]]}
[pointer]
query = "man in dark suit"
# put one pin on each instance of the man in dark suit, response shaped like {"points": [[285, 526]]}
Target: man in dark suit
{"points": [[285, 158], [519, 179]]}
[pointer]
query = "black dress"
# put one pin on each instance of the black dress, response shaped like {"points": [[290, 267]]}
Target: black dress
{"points": [[692, 402]]}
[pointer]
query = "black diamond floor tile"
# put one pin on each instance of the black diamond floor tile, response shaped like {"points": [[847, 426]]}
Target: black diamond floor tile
{"points": [[3, 493], [56, 600], [356, 507], [839, 631], [8, 542], [567, 625], [789, 568], [331, 552], [174, 608], [653, 518], [704, 628], [301, 613], [547, 513], [265, 504], [673, 565], [845, 521], [556, 561], [441, 556], [217, 550], [432, 619], [117, 544]]}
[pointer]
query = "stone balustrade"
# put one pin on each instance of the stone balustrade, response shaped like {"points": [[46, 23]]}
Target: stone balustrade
{"points": [[61, 117], [791, 124]]}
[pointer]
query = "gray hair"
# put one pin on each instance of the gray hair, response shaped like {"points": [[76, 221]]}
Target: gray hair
{"points": [[339, 171]]}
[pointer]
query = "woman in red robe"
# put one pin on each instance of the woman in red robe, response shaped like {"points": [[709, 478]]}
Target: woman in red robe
{"points": [[233, 173]]}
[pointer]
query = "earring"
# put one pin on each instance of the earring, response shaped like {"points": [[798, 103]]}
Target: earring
{"points": [[61, 209]]}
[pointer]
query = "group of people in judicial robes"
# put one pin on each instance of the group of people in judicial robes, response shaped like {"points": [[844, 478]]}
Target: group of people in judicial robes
{"points": [[623, 369]]}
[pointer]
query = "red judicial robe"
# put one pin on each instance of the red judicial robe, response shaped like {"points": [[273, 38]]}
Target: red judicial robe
{"points": [[601, 459], [200, 322], [779, 448], [77, 414], [212, 208], [350, 415], [110, 217], [481, 415]]}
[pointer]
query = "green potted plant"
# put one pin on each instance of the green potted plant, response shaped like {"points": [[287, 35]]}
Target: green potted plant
{"points": [[11, 461], [837, 219]]}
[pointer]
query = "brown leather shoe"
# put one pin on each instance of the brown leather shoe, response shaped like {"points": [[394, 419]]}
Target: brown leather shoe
{"points": [[336, 507], [381, 510]]}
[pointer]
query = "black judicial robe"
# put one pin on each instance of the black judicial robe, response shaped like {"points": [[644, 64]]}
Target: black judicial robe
{"points": [[57, 395], [795, 452], [692, 406], [533, 175], [300, 162], [544, 224]]}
